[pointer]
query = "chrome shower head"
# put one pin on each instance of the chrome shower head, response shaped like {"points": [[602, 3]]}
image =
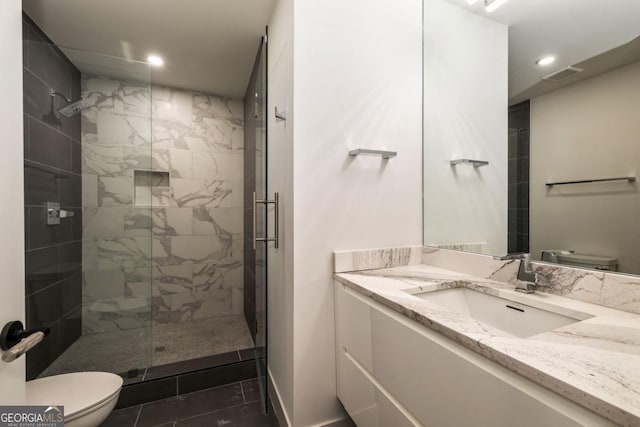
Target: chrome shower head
{"points": [[69, 110], [73, 108]]}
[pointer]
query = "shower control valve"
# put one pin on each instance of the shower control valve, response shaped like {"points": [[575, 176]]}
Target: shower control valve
{"points": [[54, 213]]}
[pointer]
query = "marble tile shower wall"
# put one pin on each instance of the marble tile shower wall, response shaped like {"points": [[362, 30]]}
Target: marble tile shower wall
{"points": [[179, 257]]}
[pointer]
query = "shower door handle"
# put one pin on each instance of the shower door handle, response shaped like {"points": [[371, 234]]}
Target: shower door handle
{"points": [[266, 202]]}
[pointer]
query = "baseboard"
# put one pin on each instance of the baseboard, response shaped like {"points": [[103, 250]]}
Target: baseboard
{"points": [[345, 421], [283, 417], [342, 422], [276, 402]]}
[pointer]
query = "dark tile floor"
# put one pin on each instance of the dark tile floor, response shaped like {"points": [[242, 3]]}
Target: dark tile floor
{"points": [[232, 405]]}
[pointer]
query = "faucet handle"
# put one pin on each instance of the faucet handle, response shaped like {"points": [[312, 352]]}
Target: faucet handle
{"points": [[525, 264], [525, 287]]}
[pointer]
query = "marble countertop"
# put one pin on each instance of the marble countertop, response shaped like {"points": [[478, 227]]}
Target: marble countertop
{"points": [[594, 362]]}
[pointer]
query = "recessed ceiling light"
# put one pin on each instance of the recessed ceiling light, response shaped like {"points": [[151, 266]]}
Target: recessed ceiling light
{"points": [[491, 5], [545, 60], [155, 60]]}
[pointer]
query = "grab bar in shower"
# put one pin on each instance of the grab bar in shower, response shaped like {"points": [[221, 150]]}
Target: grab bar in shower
{"points": [[588, 181]]}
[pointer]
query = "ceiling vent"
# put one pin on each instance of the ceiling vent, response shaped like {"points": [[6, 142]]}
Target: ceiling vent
{"points": [[562, 73]]}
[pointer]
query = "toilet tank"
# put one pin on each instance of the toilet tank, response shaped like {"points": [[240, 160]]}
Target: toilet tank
{"points": [[588, 261]]}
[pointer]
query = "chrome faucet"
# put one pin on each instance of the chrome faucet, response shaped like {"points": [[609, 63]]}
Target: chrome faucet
{"points": [[527, 278]]}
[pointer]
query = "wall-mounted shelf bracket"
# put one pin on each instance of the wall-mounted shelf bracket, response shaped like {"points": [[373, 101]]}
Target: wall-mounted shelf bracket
{"points": [[474, 163], [367, 152]]}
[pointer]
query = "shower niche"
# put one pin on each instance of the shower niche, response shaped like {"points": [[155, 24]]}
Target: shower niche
{"points": [[151, 188]]}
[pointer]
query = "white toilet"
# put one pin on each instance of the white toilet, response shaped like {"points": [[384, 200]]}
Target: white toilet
{"points": [[88, 397], [569, 257]]}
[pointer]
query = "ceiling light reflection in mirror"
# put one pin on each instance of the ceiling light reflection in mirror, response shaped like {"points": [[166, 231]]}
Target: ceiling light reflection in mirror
{"points": [[544, 91]]}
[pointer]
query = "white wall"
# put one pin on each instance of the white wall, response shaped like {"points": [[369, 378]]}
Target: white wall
{"points": [[12, 375], [465, 116], [350, 75], [280, 170], [584, 131], [357, 83]]}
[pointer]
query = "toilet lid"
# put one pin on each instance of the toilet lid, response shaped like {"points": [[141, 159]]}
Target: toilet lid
{"points": [[77, 391], [588, 259]]}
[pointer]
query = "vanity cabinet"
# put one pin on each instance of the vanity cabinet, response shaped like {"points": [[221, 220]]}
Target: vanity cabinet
{"points": [[392, 371]]}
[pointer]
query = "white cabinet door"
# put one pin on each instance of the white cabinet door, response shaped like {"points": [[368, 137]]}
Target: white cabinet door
{"points": [[12, 375], [390, 365], [444, 384], [367, 404]]}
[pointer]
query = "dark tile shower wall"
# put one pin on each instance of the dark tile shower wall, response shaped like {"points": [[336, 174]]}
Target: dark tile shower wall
{"points": [[52, 173], [250, 126], [518, 215]]}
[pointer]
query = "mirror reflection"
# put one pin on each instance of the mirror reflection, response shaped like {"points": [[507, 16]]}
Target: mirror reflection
{"points": [[532, 137]]}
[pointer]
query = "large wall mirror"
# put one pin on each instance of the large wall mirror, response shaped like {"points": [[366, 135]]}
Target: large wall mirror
{"points": [[532, 129]]}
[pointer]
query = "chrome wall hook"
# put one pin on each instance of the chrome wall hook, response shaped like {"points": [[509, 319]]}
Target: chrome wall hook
{"points": [[280, 115]]}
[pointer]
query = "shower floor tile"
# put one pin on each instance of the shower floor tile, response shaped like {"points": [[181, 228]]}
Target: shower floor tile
{"points": [[121, 351], [199, 338]]}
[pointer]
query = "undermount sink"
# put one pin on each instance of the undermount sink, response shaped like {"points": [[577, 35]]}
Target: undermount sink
{"points": [[514, 318]]}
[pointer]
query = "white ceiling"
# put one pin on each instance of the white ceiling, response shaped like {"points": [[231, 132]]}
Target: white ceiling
{"points": [[207, 45], [571, 30], [210, 45]]}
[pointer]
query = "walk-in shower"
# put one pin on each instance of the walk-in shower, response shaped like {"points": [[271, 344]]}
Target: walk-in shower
{"points": [[147, 266]]}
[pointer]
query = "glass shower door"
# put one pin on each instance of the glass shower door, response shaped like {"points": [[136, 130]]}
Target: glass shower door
{"points": [[261, 223]]}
